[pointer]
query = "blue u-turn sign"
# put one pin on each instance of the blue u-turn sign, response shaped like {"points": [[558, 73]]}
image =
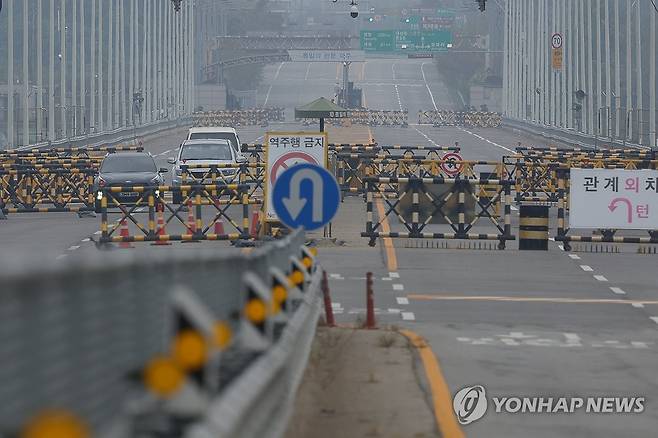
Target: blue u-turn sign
{"points": [[306, 196]]}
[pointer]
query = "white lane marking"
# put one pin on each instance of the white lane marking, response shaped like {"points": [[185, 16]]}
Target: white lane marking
{"points": [[514, 208], [86, 239], [654, 319], [561, 247], [394, 275], [336, 277], [408, 316], [73, 247], [98, 232], [61, 256], [574, 256], [403, 301], [638, 305], [426, 136], [398, 287], [394, 311], [427, 85], [387, 279], [335, 305], [308, 69], [486, 139], [267, 97], [637, 344], [358, 278], [618, 290], [600, 278], [586, 268]]}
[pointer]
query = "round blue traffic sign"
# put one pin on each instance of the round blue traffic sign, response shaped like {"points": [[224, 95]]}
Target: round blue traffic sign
{"points": [[306, 196]]}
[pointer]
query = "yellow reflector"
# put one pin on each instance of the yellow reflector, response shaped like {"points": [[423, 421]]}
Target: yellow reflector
{"points": [[279, 294], [255, 311], [190, 350], [55, 424], [163, 377], [307, 262], [221, 335], [297, 277], [313, 251]]}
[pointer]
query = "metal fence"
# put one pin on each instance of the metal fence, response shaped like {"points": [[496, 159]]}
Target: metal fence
{"points": [[76, 338], [81, 68]]}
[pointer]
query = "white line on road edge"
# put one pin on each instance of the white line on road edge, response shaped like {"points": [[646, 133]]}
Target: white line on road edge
{"points": [[427, 85], [600, 278], [654, 319], [426, 137], [387, 279], [398, 287], [336, 276], [394, 310], [574, 256], [586, 268], [403, 301], [486, 139], [618, 290], [73, 247], [408, 316], [394, 275], [267, 97], [638, 305], [86, 239]]}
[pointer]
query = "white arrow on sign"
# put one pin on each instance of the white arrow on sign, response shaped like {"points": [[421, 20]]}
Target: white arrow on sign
{"points": [[294, 204]]}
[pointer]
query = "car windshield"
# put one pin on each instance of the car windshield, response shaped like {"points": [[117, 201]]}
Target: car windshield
{"points": [[119, 164], [211, 151], [216, 136]]}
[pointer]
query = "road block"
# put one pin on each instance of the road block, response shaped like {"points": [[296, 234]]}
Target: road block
{"points": [[533, 228], [228, 202], [416, 228]]}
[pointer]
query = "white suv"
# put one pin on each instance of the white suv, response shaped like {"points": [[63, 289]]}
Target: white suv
{"points": [[216, 133], [203, 153]]}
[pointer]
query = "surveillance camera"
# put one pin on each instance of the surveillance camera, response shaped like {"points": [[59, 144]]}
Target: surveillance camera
{"points": [[354, 12]]}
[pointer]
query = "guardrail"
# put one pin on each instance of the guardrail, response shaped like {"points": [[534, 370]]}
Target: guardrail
{"points": [[170, 345]]}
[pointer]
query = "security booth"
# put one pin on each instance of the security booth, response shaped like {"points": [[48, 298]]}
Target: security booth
{"points": [[321, 108]]}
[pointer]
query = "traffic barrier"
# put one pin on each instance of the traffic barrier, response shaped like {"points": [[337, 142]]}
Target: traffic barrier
{"points": [[457, 190], [250, 117], [481, 119], [533, 228], [25, 189], [218, 200], [245, 173], [162, 226], [68, 152], [172, 323]]}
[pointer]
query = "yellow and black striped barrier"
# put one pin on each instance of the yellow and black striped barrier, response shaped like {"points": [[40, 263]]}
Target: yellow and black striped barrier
{"points": [[132, 201], [459, 226], [533, 228]]}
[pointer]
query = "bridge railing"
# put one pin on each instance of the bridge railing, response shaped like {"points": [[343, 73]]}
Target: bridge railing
{"points": [[120, 345]]}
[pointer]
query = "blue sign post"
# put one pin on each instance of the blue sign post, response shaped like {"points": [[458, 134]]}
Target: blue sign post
{"points": [[306, 196]]}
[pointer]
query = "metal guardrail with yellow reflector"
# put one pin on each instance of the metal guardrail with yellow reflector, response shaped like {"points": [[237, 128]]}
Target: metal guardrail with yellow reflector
{"points": [[179, 344]]}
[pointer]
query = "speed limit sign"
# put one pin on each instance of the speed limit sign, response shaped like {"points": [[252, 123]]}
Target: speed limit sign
{"points": [[556, 41]]}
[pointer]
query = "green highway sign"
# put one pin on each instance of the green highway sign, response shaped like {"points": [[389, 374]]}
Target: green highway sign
{"points": [[405, 40], [378, 40]]}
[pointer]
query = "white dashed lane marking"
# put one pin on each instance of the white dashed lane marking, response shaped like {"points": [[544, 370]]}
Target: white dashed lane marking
{"points": [[61, 256], [403, 301], [586, 268], [408, 316], [398, 287], [574, 256], [394, 275], [654, 319], [600, 278], [618, 290]]}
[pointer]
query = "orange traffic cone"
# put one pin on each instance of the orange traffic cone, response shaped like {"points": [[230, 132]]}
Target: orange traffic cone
{"points": [[161, 228], [219, 227], [124, 232], [191, 222]]}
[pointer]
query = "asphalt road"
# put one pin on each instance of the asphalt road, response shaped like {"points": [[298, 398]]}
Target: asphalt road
{"points": [[518, 323]]}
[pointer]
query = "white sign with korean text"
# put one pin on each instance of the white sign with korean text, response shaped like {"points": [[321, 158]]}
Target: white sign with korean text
{"points": [[285, 149], [327, 55], [614, 198]]}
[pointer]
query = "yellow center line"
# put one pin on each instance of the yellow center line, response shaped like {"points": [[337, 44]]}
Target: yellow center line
{"points": [[424, 297], [441, 399]]}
